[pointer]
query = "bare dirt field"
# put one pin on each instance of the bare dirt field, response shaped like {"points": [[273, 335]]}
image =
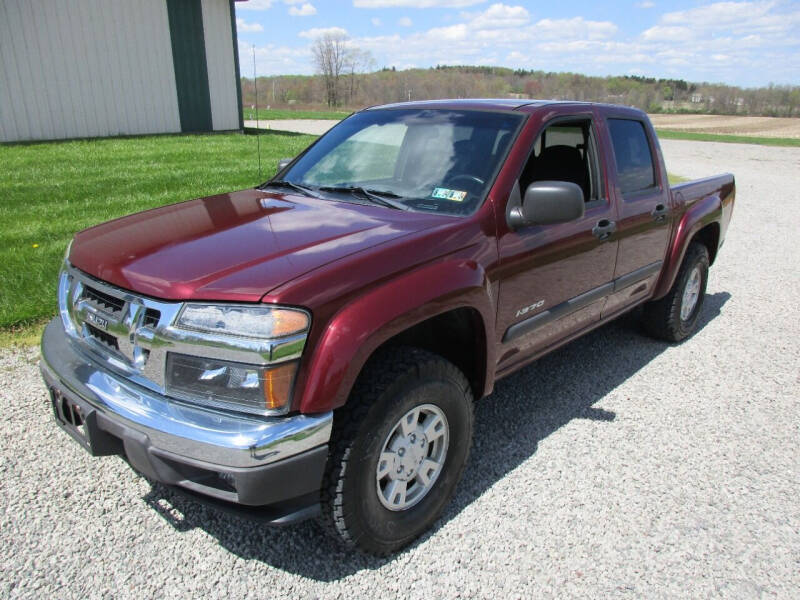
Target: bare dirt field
{"points": [[732, 125]]}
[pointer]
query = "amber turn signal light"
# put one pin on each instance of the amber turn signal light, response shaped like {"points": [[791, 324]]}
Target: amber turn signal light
{"points": [[278, 385]]}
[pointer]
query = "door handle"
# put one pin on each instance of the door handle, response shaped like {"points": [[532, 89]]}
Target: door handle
{"points": [[604, 229], [659, 213]]}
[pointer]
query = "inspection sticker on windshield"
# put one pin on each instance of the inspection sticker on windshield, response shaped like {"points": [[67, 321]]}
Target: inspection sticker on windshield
{"points": [[445, 194]]}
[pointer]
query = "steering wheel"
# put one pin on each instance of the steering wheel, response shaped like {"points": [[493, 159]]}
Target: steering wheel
{"points": [[466, 177]]}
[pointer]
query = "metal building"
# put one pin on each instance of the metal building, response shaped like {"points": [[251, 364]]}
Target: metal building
{"points": [[90, 68]]}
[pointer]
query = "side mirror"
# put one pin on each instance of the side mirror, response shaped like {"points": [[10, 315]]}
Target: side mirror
{"points": [[283, 163], [547, 203]]}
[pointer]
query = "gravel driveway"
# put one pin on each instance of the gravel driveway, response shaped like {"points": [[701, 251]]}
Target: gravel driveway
{"points": [[616, 467]]}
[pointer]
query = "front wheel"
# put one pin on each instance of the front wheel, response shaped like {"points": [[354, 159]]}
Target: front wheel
{"points": [[674, 317], [398, 450]]}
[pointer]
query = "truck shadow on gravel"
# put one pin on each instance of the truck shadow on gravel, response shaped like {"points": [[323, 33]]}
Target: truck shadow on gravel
{"points": [[551, 392]]}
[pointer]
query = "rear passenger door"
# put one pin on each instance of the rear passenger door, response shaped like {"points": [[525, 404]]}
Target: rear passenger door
{"points": [[554, 279], [644, 210]]}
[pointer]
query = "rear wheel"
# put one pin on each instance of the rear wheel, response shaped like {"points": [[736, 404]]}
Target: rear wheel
{"points": [[398, 450], [674, 317]]}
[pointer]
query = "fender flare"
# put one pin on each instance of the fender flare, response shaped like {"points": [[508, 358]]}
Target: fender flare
{"points": [[703, 212], [363, 324]]}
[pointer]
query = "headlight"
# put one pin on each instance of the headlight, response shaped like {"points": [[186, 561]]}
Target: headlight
{"points": [[261, 390], [262, 322]]}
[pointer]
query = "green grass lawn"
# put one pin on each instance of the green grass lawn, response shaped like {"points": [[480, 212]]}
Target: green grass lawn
{"points": [[676, 178], [51, 190], [264, 113], [731, 139]]}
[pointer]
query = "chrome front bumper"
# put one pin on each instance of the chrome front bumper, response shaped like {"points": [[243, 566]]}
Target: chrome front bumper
{"points": [[221, 454]]}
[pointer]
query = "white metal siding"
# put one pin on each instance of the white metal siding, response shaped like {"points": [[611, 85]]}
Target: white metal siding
{"points": [[221, 69], [84, 68]]}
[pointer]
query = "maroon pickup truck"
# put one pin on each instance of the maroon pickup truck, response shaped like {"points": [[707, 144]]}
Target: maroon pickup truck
{"points": [[313, 347]]}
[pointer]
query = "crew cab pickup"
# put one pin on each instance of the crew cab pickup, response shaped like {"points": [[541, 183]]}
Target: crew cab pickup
{"points": [[313, 347]]}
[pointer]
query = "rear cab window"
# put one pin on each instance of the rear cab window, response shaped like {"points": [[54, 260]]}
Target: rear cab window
{"points": [[635, 170]]}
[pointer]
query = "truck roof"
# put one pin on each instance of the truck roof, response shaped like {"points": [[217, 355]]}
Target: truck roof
{"points": [[494, 104], [505, 104]]}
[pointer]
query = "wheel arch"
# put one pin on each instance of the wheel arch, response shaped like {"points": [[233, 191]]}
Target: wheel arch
{"points": [[450, 313], [700, 223], [709, 237], [457, 335]]}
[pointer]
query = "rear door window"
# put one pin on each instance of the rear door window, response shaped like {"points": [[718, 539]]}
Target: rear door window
{"points": [[635, 170]]}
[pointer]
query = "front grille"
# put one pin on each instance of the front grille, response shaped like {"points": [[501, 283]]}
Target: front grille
{"points": [[103, 301], [103, 337], [131, 334]]}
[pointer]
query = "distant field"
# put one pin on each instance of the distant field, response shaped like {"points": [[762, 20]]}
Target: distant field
{"points": [[761, 127], [275, 114], [49, 191], [768, 131]]}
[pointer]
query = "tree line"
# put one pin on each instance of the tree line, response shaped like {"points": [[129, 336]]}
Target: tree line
{"points": [[344, 79]]}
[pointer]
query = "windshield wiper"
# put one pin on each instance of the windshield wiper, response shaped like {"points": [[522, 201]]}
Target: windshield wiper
{"points": [[382, 197], [305, 190]]}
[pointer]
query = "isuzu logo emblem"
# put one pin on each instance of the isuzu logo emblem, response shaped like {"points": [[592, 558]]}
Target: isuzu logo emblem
{"points": [[97, 320]]}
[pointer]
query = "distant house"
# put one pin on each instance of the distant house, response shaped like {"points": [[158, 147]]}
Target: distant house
{"points": [[95, 68]]}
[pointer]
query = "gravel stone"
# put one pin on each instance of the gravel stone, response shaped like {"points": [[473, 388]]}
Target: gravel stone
{"points": [[617, 467]]}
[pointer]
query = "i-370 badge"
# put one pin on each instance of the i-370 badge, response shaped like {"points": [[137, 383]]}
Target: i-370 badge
{"points": [[526, 309]]}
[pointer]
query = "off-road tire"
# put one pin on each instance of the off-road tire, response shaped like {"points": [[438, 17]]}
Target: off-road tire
{"points": [[662, 318], [392, 383]]}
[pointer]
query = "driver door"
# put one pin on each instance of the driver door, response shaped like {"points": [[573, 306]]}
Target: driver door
{"points": [[554, 279]]}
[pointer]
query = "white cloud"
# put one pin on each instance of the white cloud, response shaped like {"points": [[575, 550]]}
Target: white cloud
{"points": [[487, 37], [499, 16], [645, 4], [376, 21], [306, 10], [668, 33], [316, 32], [266, 4], [405, 22], [254, 5], [575, 28], [450, 33], [275, 60], [719, 13], [415, 3], [722, 20], [245, 27]]}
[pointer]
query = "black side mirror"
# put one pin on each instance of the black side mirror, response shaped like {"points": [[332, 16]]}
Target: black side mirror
{"points": [[548, 202], [283, 163]]}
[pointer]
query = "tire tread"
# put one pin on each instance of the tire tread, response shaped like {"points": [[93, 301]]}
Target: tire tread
{"points": [[662, 317], [384, 371]]}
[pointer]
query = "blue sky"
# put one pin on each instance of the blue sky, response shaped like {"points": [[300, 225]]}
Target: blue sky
{"points": [[747, 43]]}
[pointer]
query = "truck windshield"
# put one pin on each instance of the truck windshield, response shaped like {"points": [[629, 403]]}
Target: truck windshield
{"points": [[429, 160]]}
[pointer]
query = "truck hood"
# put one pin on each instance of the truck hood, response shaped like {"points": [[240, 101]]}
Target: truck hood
{"points": [[236, 246]]}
